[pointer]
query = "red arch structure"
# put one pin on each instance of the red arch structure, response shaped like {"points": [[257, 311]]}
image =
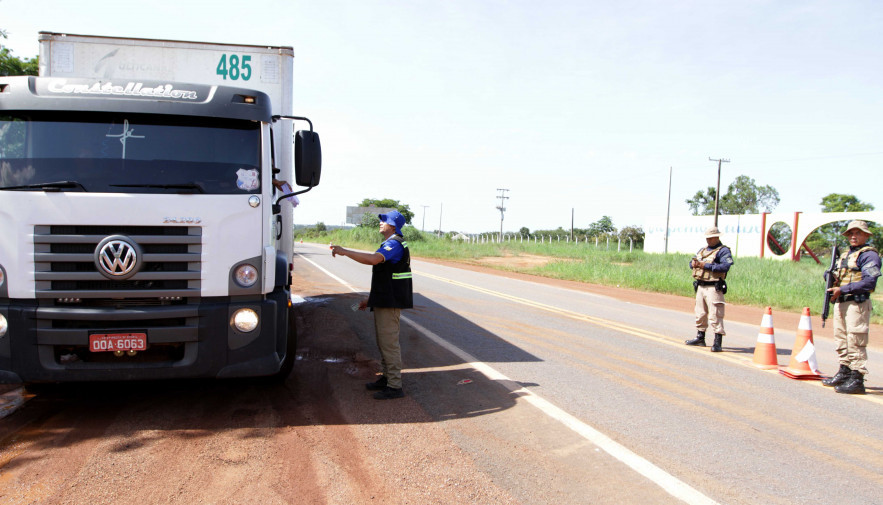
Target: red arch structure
{"points": [[802, 224]]}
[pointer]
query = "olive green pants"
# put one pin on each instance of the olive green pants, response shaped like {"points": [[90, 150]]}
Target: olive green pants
{"points": [[851, 323], [386, 327]]}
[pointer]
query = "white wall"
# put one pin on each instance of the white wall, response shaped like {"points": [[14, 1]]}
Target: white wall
{"points": [[741, 233]]}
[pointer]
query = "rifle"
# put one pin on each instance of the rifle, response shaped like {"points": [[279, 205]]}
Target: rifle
{"points": [[829, 282]]}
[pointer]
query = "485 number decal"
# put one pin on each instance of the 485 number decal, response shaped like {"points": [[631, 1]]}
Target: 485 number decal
{"points": [[235, 67]]}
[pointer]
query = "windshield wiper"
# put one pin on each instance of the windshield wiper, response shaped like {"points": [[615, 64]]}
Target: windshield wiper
{"points": [[188, 185], [49, 186]]}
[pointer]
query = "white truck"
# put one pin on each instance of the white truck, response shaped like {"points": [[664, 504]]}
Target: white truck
{"points": [[142, 234]]}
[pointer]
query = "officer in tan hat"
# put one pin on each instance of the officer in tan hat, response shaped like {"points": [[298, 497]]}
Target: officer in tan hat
{"points": [[710, 267], [855, 277]]}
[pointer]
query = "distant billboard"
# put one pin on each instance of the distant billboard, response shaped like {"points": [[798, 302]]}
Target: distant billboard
{"points": [[354, 214]]}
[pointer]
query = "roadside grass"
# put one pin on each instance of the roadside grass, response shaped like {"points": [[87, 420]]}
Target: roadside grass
{"points": [[783, 285]]}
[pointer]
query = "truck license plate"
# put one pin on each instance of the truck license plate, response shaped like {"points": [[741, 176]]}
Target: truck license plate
{"points": [[109, 342]]}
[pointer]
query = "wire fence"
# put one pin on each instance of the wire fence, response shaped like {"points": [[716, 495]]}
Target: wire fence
{"points": [[599, 242]]}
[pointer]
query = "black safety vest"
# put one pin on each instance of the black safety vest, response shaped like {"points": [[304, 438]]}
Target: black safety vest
{"points": [[391, 285]]}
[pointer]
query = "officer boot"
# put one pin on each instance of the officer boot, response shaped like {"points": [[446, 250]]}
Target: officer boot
{"points": [[718, 340], [699, 340], [842, 375], [855, 385]]}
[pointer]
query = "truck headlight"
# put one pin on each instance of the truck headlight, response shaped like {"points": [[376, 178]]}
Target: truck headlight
{"points": [[244, 320], [245, 275], [3, 325], [2, 277]]}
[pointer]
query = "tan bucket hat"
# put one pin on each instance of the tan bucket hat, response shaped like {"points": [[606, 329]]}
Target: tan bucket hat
{"points": [[712, 232], [861, 225]]}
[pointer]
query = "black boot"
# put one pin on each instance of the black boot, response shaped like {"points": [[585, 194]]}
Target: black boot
{"points": [[699, 340], [377, 385], [855, 385], [838, 379], [718, 340]]}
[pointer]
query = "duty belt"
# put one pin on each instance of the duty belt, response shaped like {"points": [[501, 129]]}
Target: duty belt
{"points": [[706, 283], [859, 298]]}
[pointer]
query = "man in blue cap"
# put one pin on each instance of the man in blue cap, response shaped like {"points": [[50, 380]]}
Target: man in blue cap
{"points": [[391, 291]]}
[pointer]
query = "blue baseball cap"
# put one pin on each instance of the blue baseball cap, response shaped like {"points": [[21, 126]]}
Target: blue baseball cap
{"points": [[393, 218]]}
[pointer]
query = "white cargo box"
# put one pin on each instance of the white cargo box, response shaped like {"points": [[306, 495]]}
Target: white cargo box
{"points": [[267, 69]]}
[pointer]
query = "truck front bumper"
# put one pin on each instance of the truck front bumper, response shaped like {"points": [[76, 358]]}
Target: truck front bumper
{"points": [[51, 344]]}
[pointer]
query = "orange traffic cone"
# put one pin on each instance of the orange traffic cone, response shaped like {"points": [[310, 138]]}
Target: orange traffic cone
{"points": [[765, 352], [803, 363]]}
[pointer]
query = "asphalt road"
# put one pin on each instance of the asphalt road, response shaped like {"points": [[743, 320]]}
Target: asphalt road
{"points": [[717, 425], [517, 392]]}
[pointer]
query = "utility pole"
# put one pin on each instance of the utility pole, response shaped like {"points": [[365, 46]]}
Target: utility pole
{"points": [[572, 211], [668, 211], [502, 208], [717, 193], [440, 209], [423, 226]]}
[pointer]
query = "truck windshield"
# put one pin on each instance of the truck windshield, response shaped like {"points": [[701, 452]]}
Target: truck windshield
{"points": [[128, 153]]}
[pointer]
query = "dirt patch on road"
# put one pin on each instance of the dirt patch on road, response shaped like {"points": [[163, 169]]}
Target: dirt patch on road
{"points": [[514, 261], [318, 437]]}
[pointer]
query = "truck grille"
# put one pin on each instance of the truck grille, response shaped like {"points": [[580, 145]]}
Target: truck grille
{"points": [[64, 258]]}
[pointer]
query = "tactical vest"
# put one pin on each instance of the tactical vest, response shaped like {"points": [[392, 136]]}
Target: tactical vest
{"points": [[848, 270], [391, 285], [702, 274]]}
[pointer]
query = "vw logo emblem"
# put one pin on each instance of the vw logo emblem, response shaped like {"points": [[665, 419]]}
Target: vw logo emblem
{"points": [[118, 257]]}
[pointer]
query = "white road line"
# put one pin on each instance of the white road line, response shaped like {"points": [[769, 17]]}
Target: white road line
{"points": [[671, 484]]}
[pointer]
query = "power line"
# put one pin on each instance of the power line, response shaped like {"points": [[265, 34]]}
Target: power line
{"points": [[832, 157], [614, 174]]}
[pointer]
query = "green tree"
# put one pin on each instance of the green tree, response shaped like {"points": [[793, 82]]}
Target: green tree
{"points": [[320, 226], [601, 227], [836, 202], [821, 240], [779, 238], [524, 231], [389, 203], [12, 65], [743, 196], [560, 232], [370, 220], [636, 233], [702, 203]]}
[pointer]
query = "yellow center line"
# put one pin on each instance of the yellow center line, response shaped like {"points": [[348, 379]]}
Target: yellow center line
{"points": [[598, 321], [623, 328]]}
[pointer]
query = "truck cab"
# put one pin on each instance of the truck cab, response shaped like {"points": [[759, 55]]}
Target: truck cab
{"points": [[142, 234]]}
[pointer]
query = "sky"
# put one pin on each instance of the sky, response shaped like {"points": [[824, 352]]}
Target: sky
{"points": [[577, 108]]}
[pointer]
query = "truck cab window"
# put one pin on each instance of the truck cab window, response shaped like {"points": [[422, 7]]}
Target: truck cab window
{"points": [[130, 153]]}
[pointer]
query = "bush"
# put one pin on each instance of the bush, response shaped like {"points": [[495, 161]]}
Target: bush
{"points": [[412, 234], [366, 235], [370, 220]]}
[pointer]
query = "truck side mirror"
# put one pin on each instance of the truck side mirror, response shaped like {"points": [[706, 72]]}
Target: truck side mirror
{"points": [[307, 158]]}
